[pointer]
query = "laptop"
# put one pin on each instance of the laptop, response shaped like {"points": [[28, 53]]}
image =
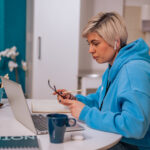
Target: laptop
{"points": [[37, 123]]}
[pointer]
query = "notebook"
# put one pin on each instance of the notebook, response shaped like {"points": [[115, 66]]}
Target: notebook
{"points": [[37, 123], [48, 106], [19, 143]]}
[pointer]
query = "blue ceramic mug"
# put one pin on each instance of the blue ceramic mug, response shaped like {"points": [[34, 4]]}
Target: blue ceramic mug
{"points": [[57, 124]]}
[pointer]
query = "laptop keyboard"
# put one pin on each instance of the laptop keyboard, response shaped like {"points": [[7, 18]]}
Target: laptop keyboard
{"points": [[40, 122]]}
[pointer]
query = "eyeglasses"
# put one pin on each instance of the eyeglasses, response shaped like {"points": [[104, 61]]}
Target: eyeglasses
{"points": [[53, 87]]}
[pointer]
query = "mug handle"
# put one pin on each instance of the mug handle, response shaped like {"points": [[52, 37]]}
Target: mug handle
{"points": [[71, 122]]}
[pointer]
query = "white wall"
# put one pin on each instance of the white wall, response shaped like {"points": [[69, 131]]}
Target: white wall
{"points": [[136, 2], [84, 57], [133, 10], [106, 6]]}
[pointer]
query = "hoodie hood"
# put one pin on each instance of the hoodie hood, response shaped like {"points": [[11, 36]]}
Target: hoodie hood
{"points": [[137, 50]]}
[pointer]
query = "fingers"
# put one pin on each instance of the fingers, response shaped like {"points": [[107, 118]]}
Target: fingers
{"points": [[59, 91], [65, 102], [59, 98], [65, 95]]}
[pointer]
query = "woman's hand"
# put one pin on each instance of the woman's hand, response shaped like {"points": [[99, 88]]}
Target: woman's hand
{"points": [[64, 94], [74, 106], [60, 91]]}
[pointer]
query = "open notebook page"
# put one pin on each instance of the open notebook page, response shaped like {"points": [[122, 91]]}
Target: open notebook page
{"points": [[48, 106]]}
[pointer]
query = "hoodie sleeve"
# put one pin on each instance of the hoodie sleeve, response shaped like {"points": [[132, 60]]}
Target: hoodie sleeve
{"points": [[132, 122], [90, 100]]}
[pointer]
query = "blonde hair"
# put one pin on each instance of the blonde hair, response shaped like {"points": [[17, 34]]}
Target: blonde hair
{"points": [[110, 26]]}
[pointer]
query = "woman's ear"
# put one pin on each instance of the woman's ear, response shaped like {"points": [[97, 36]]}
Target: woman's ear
{"points": [[117, 45]]}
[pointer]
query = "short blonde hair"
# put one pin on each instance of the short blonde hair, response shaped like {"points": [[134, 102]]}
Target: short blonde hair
{"points": [[110, 26]]}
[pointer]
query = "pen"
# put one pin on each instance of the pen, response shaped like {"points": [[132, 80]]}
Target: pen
{"points": [[72, 91]]}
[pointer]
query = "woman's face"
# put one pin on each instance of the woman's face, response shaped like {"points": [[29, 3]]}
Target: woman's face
{"points": [[101, 51]]}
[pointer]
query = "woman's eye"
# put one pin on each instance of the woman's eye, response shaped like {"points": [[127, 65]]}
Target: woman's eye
{"points": [[96, 44]]}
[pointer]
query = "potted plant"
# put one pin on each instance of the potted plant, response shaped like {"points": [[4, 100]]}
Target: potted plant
{"points": [[9, 64]]}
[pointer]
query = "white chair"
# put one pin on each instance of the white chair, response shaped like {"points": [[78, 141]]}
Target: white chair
{"points": [[90, 82]]}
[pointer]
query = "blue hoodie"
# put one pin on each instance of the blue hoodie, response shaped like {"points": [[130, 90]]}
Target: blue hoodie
{"points": [[126, 106]]}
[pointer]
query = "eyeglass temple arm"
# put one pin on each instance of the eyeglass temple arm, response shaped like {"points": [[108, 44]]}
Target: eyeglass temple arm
{"points": [[54, 89]]}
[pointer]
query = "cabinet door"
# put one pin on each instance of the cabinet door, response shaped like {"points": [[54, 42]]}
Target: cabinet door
{"points": [[55, 45]]}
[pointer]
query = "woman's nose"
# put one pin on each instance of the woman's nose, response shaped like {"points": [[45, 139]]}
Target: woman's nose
{"points": [[91, 49]]}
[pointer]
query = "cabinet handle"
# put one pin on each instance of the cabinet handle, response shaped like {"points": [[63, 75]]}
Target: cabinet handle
{"points": [[40, 44]]}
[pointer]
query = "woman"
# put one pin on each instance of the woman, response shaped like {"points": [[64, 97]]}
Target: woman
{"points": [[122, 103]]}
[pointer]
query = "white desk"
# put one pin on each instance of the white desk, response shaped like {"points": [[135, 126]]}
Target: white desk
{"points": [[93, 139]]}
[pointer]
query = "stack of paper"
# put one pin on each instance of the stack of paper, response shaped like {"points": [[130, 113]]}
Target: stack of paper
{"points": [[48, 106]]}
